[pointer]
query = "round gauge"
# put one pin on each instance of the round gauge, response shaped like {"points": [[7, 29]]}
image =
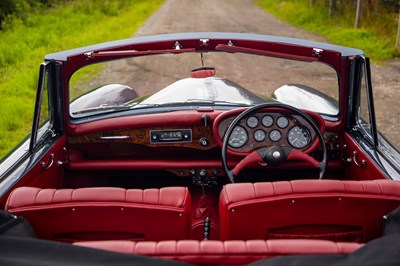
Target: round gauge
{"points": [[267, 121], [259, 135], [275, 135], [238, 137], [282, 122], [252, 121], [299, 137]]}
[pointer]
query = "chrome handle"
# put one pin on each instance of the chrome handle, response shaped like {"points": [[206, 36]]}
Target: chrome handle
{"points": [[113, 137], [361, 165], [61, 163], [46, 166]]}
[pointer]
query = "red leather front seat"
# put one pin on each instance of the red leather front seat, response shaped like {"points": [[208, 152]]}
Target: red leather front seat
{"points": [[104, 213], [319, 209]]}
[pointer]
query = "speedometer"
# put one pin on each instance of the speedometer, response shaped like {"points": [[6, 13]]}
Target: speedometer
{"points": [[299, 137], [238, 137]]}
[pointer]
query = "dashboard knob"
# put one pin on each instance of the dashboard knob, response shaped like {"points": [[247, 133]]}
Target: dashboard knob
{"points": [[204, 142], [203, 173]]}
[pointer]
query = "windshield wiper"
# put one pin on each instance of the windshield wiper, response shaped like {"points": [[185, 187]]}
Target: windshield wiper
{"points": [[188, 102], [205, 101]]}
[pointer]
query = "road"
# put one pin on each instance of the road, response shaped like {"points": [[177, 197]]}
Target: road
{"points": [[243, 16]]}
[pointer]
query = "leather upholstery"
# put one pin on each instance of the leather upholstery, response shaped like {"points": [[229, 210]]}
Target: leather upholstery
{"points": [[217, 252], [104, 212], [327, 209]]}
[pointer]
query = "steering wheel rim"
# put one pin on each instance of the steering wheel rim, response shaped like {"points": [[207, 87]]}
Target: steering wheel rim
{"points": [[229, 173]]}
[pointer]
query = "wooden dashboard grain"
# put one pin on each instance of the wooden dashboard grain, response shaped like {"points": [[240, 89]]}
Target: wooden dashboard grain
{"points": [[141, 136]]}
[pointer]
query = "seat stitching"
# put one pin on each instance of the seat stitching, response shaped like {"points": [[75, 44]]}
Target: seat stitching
{"points": [[227, 195], [267, 246], [133, 247], [363, 187], [37, 194], [186, 197], [379, 185], [344, 186], [338, 250], [52, 198]]}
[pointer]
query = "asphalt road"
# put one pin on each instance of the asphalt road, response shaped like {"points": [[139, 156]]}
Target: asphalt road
{"points": [[243, 16]]}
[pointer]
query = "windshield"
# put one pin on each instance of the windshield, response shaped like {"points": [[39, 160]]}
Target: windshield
{"points": [[192, 79]]}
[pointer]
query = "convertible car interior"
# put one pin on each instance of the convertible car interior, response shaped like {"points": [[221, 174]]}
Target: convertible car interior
{"points": [[172, 158]]}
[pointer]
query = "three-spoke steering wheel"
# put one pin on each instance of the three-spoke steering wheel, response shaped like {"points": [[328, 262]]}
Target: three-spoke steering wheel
{"points": [[273, 155]]}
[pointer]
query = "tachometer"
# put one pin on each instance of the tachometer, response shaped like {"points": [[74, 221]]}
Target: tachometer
{"points": [[299, 137], [238, 137]]}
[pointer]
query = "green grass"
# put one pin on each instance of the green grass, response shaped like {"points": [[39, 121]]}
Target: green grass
{"points": [[23, 45], [376, 37]]}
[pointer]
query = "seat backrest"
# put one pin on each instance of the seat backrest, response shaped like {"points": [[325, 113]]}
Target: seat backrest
{"points": [[215, 252], [319, 209], [104, 213]]}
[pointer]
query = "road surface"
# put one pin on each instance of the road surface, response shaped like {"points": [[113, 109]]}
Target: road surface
{"points": [[244, 16]]}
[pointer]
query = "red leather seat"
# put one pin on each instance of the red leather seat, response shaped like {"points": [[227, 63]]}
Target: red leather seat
{"points": [[319, 209], [216, 252], [104, 213]]}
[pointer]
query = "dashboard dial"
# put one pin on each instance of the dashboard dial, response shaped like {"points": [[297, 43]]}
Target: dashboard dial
{"points": [[267, 121], [299, 137], [238, 137], [252, 122], [282, 122], [275, 135], [259, 135]]}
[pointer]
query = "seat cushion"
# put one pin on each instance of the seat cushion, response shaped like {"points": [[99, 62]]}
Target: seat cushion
{"points": [[104, 212], [326, 209]]}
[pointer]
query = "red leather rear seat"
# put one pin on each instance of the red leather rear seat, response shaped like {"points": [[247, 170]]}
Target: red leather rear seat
{"points": [[322, 209], [224, 252], [104, 213]]}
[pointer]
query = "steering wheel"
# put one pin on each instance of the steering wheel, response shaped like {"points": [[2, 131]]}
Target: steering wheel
{"points": [[273, 155]]}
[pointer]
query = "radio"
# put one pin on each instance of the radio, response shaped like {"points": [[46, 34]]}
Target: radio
{"points": [[170, 136]]}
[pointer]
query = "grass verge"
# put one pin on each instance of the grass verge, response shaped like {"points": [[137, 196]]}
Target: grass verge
{"points": [[376, 38], [24, 44]]}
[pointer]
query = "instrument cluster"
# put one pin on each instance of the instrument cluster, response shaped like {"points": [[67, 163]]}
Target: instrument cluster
{"points": [[267, 129]]}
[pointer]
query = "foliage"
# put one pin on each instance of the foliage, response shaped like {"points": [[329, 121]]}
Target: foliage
{"points": [[12, 11], [65, 25], [376, 34]]}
